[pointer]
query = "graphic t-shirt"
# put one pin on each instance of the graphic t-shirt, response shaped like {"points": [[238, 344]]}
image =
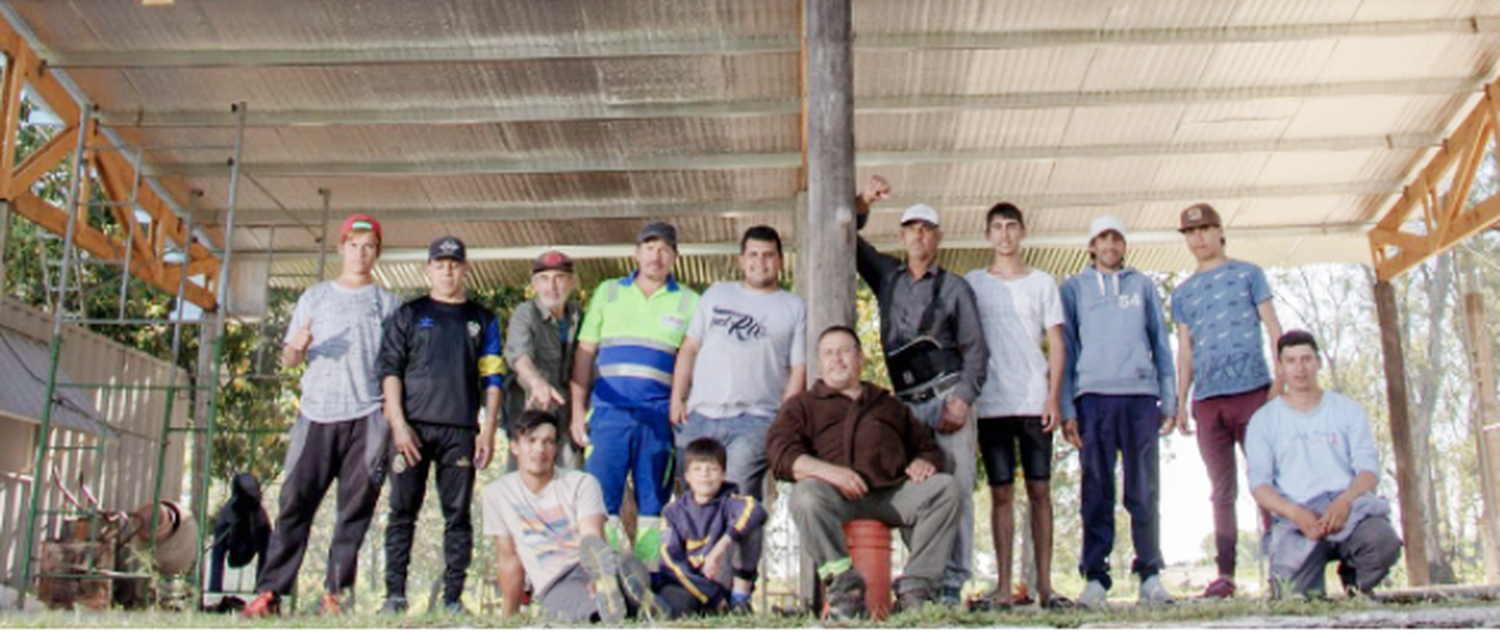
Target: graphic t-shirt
{"points": [[544, 526], [339, 383], [749, 341], [1219, 307]]}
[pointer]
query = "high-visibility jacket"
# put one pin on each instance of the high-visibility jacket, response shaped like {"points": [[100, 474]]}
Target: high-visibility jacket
{"points": [[637, 339]]}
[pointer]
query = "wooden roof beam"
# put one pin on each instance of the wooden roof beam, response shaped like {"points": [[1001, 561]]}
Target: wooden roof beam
{"points": [[1447, 219]]}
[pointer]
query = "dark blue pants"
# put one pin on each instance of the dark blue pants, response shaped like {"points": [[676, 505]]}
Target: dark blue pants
{"points": [[1126, 425]]}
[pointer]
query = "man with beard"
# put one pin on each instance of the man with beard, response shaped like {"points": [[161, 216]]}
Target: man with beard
{"points": [[539, 345]]}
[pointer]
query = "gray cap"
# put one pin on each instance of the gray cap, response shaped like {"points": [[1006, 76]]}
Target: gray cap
{"points": [[658, 230]]}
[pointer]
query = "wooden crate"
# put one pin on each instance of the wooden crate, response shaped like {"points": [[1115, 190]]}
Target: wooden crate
{"points": [[78, 552]]}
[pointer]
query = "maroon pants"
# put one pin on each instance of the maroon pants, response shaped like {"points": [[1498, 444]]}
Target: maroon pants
{"points": [[1221, 425]]}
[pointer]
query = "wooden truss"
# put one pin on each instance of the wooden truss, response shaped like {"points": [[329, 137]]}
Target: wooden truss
{"points": [[1447, 218], [143, 245]]}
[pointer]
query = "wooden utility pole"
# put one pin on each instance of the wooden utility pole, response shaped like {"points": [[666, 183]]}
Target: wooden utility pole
{"points": [[1486, 429], [1414, 534], [4, 242], [825, 258], [825, 213]]}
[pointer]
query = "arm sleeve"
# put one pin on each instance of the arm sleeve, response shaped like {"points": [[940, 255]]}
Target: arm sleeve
{"points": [[593, 319], [491, 363], [394, 338], [299, 318], [518, 343], [1052, 312], [674, 558], [970, 342], [786, 440], [1161, 351], [1363, 456], [490, 504], [590, 497], [745, 515], [872, 265], [1260, 290], [1179, 309], [699, 322], [799, 335], [1072, 347], [1260, 457]]}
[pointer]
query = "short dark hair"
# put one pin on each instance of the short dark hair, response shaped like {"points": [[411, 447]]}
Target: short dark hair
{"points": [[704, 449], [841, 329], [1004, 209], [761, 233], [530, 420], [1295, 338]]}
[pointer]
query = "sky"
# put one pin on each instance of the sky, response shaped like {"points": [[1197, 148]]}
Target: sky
{"points": [[1186, 514]]}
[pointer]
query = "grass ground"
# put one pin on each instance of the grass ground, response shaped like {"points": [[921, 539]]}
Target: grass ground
{"points": [[1241, 613]]}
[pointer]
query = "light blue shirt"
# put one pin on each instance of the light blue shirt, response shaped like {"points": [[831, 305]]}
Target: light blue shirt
{"points": [[1303, 455], [1221, 308]]}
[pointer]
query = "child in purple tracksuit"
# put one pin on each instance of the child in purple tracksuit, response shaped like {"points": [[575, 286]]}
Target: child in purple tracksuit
{"points": [[699, 530]]}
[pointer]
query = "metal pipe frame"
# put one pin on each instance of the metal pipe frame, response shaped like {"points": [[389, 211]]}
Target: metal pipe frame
{"points": [[44, 426]]}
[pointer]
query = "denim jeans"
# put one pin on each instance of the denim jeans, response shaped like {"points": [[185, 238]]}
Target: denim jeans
{"points": [[744, 440]]}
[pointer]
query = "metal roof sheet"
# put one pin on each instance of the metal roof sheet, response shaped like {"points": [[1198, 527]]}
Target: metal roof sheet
{"points": [[23, 387], [516, 124]]}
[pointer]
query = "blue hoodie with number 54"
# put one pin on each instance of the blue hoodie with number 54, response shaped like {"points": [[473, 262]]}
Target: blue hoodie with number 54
{"points": [[1115, 330]]}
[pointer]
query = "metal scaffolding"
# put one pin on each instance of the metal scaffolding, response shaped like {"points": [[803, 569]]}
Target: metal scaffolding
{"points": [[68, 307]]}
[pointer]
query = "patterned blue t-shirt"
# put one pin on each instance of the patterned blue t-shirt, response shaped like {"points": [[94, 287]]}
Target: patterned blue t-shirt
{"points": [[1219, 308]]}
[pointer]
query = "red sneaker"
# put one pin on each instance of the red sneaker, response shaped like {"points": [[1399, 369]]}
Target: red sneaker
{"points": [[265, 605], [330, 606], [1220, 588]]}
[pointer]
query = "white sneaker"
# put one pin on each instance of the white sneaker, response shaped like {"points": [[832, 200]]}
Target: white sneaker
{"points": [[1094, 596], [1154, 593]]}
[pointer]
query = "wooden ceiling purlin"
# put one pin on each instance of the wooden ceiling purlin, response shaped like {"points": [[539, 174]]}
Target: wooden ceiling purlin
{"points": [[25, 73]]}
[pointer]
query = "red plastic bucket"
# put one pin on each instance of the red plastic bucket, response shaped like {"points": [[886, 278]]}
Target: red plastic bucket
{"points": [[870, 550]]}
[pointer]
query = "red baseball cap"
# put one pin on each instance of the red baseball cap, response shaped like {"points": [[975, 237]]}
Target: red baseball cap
{"points": [[553, 260], [360, 221]]}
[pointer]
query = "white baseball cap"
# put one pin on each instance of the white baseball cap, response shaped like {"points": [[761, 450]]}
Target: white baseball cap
{"points": [[1104, 224], [920, 212]]}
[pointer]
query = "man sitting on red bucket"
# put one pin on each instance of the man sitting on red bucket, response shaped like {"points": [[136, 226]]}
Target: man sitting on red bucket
{"points": [[892, 478]]}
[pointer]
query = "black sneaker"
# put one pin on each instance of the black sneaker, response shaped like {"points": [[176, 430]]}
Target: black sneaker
{"points": [[844, 596], [913, 599], [603, 569], [395, 605]]}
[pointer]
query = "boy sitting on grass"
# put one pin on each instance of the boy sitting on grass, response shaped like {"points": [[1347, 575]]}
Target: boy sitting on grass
{"points": [[699, 531]]}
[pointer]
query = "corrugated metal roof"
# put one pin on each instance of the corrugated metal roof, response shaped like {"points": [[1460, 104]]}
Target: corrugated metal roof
{"points": [[569, 122], [700, 270], [23, 388]]}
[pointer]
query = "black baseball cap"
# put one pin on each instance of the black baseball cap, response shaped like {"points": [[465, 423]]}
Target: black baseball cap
{"points": [[448, 247], [658, 230]]}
